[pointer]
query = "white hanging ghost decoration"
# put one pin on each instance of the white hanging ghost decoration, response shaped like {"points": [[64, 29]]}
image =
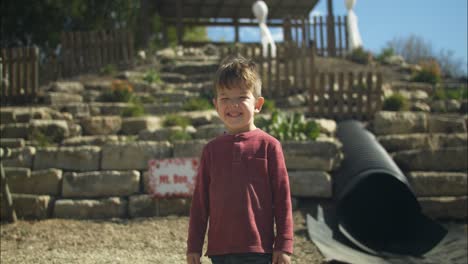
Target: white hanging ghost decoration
{"points": [[354, 38], [260, 10]]}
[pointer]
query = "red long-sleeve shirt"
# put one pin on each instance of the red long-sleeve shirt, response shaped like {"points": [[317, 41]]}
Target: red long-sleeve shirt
{"points": [[242, 188]]}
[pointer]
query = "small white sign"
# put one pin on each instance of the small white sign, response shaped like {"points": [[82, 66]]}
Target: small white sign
{"points": [[172, 177]]}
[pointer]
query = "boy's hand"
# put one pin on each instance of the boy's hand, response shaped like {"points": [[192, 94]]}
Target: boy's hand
{"points": [[280, 257], [193, 258]]}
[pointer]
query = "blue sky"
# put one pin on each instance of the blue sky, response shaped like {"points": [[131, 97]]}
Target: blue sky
{"points": [[441, 23]]}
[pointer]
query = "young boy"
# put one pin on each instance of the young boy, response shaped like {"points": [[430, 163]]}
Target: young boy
{"points": [[242, 186]]}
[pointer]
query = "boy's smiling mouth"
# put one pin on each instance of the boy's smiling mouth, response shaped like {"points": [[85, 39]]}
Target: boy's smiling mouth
{"points": [[234, 114]]}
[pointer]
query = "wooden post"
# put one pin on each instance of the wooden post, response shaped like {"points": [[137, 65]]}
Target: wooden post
{"points": [[351, 101], [8, 200], [269, 72], [4, 72], [321, 94], [314, 28], [277, 70], [312, 89], [369, 97], [322, 45], [287, 30], [340, 46], [179, 24], [340, 94], [331, 95], [236, 30], [331, 30], [346, 32], [35, 70]]}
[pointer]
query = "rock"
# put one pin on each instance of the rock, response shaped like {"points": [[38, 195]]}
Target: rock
{"points": [[453, 105], [448, 140], [204, 117], [98, 85], [210, 50], [28, 206], [62, 98], [188, 149], [453, 208], [11, 115], [210, 131], [100, 184], [166, 54], [12, 142], [53, 130], [83, 158], [163, 108], [399, 142], [99, 108], [324, 154], [7, 116], [174, 206], [441, 124], [327, 126], [310, 184], [133, 125], [101, 125], [78, 110], [394, 60], [93, 140], [386, 122], [67, 87], [42, 182], [143, 205], [438, 106], [463, 107], [20, 157], [161, 134], [191, 68], [133, 155], [431, 183], [17, 130], [448, 159], [297, 100], [420, 107], [113, 207]]}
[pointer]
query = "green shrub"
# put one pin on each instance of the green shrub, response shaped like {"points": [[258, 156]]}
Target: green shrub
{"points": [[289, 126], [460, 93], [194, 104], [385, 54], [430, 72], [269, 106], [395, 102], [109, 69], [135, 109], [147, 99], [121, 91], [41, 139], [359, 55], [180, 135], [176, 120], [152, 76]]}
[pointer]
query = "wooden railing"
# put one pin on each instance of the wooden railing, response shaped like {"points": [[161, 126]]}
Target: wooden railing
{"points": [[287, 73], [19, 75], [84, 52], [343, 96]]}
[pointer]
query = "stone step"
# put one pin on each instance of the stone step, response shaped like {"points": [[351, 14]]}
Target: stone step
{"points": [[12, 142], [192, 68], [146, 206], [41, 182], [445, 208], [29, 206], [113, 207], [399, 142], [438, 183], [446, 159], [398, 85], [178, 78], [310, 183]]}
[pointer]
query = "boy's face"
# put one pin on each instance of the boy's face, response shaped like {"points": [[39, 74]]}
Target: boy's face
{"points": [[236, 107]]}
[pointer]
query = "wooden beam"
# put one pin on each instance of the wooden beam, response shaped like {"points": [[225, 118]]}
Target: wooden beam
{"points": [[179, 25]]}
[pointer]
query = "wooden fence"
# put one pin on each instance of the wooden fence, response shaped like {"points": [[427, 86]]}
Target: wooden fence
{"points": [[343, 96], [19, 74], [84, 52], [317, 32], [286, 74]]}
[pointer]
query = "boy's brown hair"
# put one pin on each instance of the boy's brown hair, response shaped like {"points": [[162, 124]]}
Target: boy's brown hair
{"points": [[238, 72]]}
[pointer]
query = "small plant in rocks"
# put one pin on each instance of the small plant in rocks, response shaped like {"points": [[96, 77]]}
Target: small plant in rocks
{"points": [[194, 104], [287, 126], [109, 69], [180, 135], [121, 91], [359, 55], [135, 109], [430, 72], [395, 102], [176, 120], [152, 76]]}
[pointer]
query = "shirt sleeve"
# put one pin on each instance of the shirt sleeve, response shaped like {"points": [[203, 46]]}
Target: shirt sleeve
{"points": [[281, 200], [199, 211]]}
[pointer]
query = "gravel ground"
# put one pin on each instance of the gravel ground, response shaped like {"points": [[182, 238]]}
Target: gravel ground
{"points": [[144, 240]]}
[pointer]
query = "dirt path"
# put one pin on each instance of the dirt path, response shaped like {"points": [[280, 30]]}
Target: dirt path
{"points": [[145, 240]]}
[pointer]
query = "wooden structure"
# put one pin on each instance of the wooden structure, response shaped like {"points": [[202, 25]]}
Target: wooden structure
{"points": [[90, 51], [7, 199], [290, 72], [340, 95], [19, 75], [234, 13]]}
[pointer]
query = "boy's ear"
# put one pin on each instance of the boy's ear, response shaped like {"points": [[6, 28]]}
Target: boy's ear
{"points": [[258, 104], [214, 103]]}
